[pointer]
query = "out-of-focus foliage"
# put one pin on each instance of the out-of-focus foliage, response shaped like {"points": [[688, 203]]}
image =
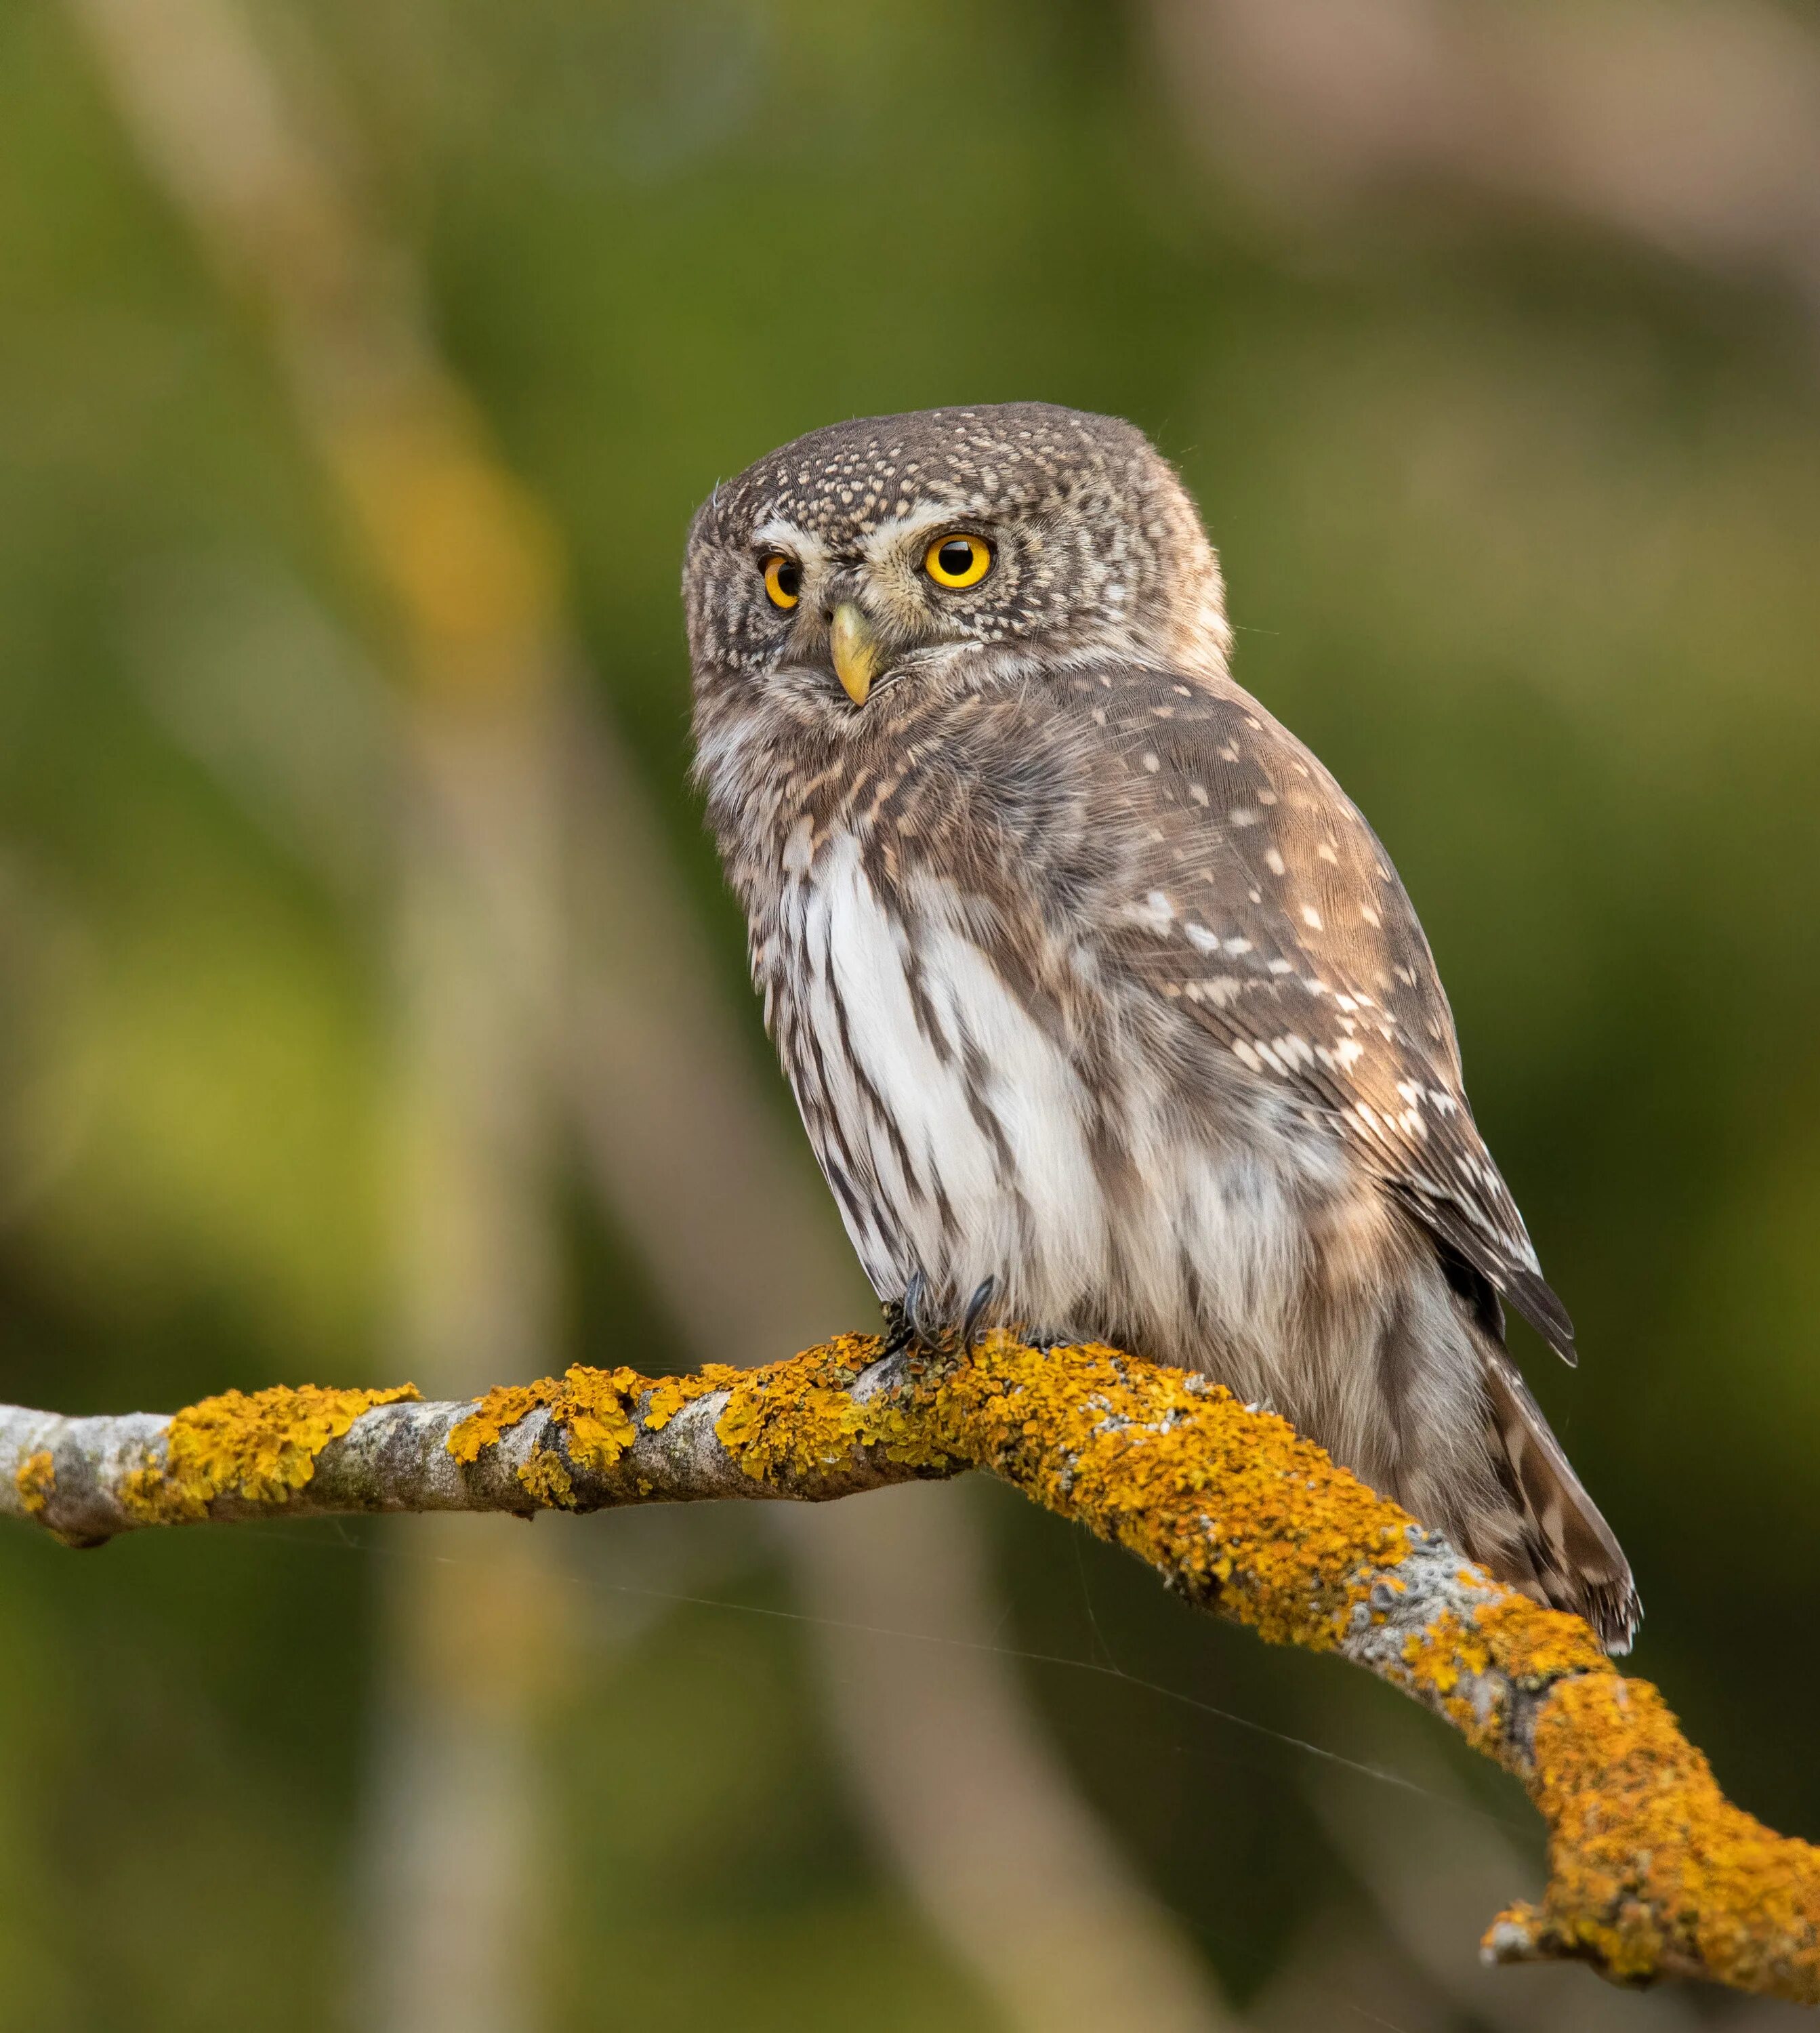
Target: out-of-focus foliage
{"points": [[1520, 529]]}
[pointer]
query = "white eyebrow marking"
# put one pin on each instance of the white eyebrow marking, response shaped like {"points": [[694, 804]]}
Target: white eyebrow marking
{"points": [[897, 532], [781, 535]]}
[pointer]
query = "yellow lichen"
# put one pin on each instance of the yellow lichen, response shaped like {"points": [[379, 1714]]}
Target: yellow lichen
{"points": [[1222, 1500], [1652, 1869], [146, 1495], [36, 1481], [545, 1478], [1509, 1639], [796, 1420], [496, 1414], [669, 1394], [593, 1414], [1226, 1501], [788, 1421], [260, 1446], [593, 1409]]}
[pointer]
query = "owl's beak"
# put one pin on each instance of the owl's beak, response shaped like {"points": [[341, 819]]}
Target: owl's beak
{"points": [[856, 646]]}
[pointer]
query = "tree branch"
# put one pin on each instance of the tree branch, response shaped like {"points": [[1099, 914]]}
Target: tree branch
{"points": [[1651, 1871]]}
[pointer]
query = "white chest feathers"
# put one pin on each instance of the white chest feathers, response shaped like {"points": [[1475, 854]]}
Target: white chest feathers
{"points": [[960, 1134], [950, 1124]]}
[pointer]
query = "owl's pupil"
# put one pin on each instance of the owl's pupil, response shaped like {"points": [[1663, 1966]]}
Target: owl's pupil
{"points": [[955, 558], [789, 579]]}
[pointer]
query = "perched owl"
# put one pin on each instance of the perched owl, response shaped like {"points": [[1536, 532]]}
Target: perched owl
{"points": [[1106, 1013]]}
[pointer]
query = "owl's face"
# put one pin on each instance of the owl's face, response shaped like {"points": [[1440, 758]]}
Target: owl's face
{"points": [[947, 548]]}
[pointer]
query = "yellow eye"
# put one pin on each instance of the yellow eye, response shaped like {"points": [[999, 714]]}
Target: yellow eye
{"points": [[783, 581], [956, 561]]}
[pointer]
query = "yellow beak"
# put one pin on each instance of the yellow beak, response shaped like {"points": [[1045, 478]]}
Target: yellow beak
{"points": [[856, 644]]}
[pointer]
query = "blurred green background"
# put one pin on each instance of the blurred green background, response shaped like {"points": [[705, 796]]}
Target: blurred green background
{"points": [[1513, 457]]}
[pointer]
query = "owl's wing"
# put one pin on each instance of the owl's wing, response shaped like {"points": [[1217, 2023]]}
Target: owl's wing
{"points": [[1263, 903]]}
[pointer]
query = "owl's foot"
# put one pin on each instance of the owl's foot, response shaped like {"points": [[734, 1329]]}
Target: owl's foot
{"points": [[908, 1321]]}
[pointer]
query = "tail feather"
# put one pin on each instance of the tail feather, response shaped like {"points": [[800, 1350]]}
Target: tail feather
{"points": [[1569, 1557]]}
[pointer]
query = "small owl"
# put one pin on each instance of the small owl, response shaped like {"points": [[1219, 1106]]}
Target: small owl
{"points": [[1106, 1013]]}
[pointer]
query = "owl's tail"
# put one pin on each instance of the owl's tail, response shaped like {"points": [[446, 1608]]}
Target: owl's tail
{"points": [[1565, 1554]]}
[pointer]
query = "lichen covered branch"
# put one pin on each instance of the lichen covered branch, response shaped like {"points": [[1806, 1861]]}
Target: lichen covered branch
{"points": [[593, 1440], [1651, 1871]]}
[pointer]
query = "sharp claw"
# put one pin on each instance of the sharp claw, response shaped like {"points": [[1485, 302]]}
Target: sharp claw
{"points": [[976, 1306], [914, 1293]]}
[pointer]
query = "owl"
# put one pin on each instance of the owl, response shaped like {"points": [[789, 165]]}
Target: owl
{"points": [[1106, 1013]]}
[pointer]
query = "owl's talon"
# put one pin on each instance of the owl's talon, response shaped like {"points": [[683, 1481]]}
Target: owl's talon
{"points": [[911, 1326], [908, 1321], [976, 1305]]}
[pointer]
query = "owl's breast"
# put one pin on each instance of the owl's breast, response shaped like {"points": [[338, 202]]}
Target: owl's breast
{"points": [[950, 1118]]}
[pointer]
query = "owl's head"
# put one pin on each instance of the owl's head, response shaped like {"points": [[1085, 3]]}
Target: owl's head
{"points": [[948, 548]]}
